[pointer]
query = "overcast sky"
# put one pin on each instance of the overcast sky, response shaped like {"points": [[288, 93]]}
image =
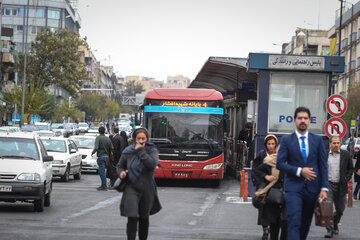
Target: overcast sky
{"points": [[160, 38]]}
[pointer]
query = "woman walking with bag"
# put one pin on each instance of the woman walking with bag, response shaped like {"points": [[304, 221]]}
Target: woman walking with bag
{"points": [[270, 144], [140, 198], [271, 182]]}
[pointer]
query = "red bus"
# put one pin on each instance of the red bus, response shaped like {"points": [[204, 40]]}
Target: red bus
{"points": [[187, 126]]}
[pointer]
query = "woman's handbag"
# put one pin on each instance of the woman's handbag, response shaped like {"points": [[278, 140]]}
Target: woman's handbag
{"points": [[258, 201], [120, 184], [275, 196]]}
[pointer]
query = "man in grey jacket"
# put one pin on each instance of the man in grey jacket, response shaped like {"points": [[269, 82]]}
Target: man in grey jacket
{"points": [[103, 149]]}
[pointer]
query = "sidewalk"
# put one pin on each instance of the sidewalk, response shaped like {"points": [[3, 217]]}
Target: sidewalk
{"points": [[247, 226]]}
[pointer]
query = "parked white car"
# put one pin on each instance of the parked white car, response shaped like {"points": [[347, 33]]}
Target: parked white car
{"points": [[25, 170], [83, 127], [85, 145], [67, 157]]}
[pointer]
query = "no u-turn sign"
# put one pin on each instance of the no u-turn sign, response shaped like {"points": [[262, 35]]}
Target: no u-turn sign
{"points": [[335, 127]]}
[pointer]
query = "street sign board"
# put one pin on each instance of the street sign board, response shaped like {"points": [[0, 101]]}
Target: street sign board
{"points": [[335, 127], [336, 105]]}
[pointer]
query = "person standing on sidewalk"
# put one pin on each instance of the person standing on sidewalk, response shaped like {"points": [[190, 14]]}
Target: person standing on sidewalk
{"points": [[103, 149], [340, 171], [357, 176], [302, 158]]}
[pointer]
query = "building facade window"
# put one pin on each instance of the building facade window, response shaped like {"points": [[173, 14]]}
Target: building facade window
{"points": [[54, 14], [325, 50]]}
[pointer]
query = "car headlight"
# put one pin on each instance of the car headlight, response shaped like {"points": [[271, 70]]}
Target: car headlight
{"points": [[29, 177], [58, 162], [213, 166]]}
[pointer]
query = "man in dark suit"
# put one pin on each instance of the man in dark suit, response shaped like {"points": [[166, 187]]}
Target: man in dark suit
{"points": [[340, 171], [302, 158], [118, 146]]}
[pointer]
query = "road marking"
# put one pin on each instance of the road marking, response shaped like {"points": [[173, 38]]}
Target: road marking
{"points": [[97, 206], [209, 203], [237, 200]]}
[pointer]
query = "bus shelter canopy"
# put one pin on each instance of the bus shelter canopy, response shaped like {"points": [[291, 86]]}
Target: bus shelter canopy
{"points": [[223, 74]]}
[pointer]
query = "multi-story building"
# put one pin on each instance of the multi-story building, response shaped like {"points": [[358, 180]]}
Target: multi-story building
{"points": [[349, 48], [308, 42], [178, 81], [55, 14], [147, 82]]}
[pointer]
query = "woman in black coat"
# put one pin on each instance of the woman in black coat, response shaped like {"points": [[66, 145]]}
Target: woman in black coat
{"points": [[357, 176], [140, 198], [272, 214], [270, 144]]}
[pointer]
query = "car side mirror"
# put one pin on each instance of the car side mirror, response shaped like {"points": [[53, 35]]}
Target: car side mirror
{"points": [[47, 158], [72, 150]]}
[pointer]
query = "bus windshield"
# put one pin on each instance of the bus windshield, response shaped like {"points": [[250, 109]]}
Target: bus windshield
{"points": [[185, 130]]}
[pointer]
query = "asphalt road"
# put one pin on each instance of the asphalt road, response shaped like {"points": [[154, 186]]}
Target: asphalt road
{"points": [[191, 210]]}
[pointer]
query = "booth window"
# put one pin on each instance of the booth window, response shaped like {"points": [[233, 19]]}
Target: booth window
{"points": [[291, 90]]}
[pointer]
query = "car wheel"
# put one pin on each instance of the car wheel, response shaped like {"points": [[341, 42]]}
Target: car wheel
{"points": [[48, 197], [65, 177], [39, 205], [78, 175]]}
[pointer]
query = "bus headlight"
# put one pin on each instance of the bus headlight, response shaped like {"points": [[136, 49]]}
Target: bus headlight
{"points": [[29, 177], [215, 166]]}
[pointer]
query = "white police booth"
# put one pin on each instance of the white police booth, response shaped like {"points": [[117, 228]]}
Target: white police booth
{"points": [[286, 82]]}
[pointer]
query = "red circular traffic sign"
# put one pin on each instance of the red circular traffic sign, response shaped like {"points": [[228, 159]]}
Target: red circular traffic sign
{"points": [[335, 127], [336, 105]]}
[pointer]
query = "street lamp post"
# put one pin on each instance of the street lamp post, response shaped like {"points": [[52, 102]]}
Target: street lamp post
{"points": [[341, 8]]}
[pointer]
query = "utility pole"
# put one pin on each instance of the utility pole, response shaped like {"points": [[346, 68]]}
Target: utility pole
{"points": [[341, 8], [24, 73]]}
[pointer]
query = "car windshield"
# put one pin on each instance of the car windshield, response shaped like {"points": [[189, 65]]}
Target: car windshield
{"points": [[54, 145], [57, 126], [358, 141], [43, 127], [87, 143], [3, 130], [83, 125], [347, 141], [94, 127], [18, 148], [68, 126], [46, 134], [29, 128]]}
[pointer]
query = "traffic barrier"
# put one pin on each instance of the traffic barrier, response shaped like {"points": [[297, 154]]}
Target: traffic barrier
{"points": [[246, 187], [350, 193], [242, 183]]}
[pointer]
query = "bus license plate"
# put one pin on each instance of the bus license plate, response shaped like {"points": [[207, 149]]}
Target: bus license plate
{"points": [[5, 188], [181, 174]]}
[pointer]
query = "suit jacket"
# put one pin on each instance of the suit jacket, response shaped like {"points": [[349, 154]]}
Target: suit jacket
{"points": [[119, 145], [346, 170], [289, 159]]}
